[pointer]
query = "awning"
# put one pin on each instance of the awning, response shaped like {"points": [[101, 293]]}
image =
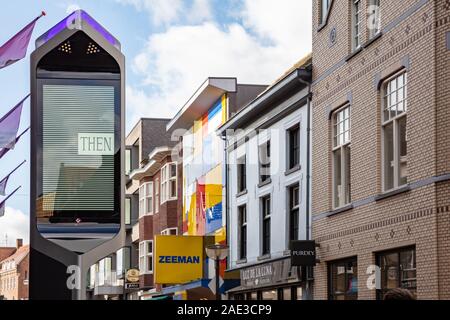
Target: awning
{"points": [[201, 287]]}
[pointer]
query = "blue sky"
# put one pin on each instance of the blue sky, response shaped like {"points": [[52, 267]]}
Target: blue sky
{"points": [[171, 46]]}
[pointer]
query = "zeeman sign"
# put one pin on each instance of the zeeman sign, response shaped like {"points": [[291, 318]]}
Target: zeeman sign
{"points": [[179, 259]]}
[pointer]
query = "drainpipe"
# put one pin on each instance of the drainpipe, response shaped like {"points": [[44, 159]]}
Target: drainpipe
{"points": [[309, 270], [227, 207]]}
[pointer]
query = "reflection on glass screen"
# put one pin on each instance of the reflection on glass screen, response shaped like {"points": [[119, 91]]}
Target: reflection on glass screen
{"points": [[78, 149]]}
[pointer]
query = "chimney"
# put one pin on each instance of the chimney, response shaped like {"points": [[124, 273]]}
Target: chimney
{"points": [[19, 243]]}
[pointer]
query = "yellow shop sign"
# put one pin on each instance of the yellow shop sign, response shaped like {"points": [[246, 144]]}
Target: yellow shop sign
{"points": [[178, 259]]}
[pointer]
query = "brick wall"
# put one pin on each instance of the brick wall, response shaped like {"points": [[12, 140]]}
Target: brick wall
{"points": [[410, 40]]}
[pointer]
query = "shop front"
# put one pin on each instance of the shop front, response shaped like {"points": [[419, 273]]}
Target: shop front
{"points": [[275, 280]]}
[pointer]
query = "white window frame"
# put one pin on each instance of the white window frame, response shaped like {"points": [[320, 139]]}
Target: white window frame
{"points": [[168, 232], [356, 9], [374, 11], [266, 216], [146, 195], [144, 254], [166, 182], [157, 187], [241, 224], [341, 143], [128, 210], [324, 9], [127, 161], [387, 92], [264, 148], [241, 179]]}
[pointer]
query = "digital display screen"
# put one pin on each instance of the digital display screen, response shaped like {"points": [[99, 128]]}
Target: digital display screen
{"points": [[80, 153]]}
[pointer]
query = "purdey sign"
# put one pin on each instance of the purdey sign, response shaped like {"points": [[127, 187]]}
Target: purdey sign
{"points": [[303, 253]]}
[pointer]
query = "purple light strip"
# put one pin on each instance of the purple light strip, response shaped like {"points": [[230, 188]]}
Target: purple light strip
{"points": [[70, 22]]}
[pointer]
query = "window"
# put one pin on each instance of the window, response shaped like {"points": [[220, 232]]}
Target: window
{"points": [[324, 8], [242, 174], [104, 272], [341, 157], [356, 24], [169, 182], [395, 150], [146, 199], [242, 211], [93, 273], [157, 199], [269, 295], [170, 232], [343, 280], [264, 162], [294, 210], [127, 161], [294, 147], [123, 261], [146, 257], [265, 206], [127, 211], [374, 18], [398, 270]]}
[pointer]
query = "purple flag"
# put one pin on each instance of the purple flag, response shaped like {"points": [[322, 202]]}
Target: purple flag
{"points": [[6, 150], [16, 48], [4, 182], [3, 203], [9, 125]]}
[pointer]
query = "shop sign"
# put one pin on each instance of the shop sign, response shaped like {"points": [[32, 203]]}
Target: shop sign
{"points": [[132, 280], [274, 273], [303, 253], [178, 259]]}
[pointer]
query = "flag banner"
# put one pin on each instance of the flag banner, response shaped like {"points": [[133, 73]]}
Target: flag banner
{"points": [[6, 150], [9, 125], [4, 182], [16, 48], [3, 203]]}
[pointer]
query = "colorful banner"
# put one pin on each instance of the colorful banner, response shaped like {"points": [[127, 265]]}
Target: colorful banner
{"points": [[4, 151], [16, 48], [9, 125], [3, 203], [4, 182]]}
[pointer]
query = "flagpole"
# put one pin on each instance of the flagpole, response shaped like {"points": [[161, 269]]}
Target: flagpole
{"points": [[11, 194], [15, 169], [5, 150], [25, 131], [14, 109]]}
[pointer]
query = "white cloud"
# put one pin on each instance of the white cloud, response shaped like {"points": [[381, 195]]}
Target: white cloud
{"points": [[272, 37], [164, 12], [285, 22], [15, 224], [72, 7]]}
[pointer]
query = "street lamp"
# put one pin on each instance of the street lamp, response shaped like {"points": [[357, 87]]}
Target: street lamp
{"points": [[217, 252]]}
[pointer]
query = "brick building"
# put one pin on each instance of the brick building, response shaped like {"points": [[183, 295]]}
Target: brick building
{"points": [[14, 271], [381, 151], [154, 190]]}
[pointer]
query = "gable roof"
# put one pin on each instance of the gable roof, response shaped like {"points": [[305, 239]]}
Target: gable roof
{"points": [[18, 256]]}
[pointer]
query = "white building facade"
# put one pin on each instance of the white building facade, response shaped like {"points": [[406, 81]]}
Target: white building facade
{"points": [[268, 152]]}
